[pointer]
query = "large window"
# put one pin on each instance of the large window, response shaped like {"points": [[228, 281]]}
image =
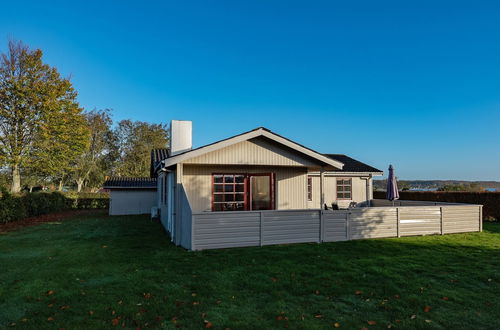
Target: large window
{"points": [[229, 192], [344, 189], [238, 192], [309, 188]]}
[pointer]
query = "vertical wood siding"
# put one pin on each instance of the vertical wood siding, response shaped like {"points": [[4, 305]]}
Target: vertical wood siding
{"points": [[358, 192], [257, 151], [291, 184]]}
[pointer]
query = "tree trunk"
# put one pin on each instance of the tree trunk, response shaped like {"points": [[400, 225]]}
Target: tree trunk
{"points": [[79, 185], [16, 179], [31, 189]]}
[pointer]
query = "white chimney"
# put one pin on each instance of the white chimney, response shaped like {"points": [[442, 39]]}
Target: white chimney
{"points": [[181, 136]]}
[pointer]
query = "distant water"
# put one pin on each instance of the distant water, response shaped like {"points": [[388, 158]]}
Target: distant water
{"points": [[423, 189], [492, 189]]}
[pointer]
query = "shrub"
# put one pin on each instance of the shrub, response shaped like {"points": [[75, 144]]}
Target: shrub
{"points": [[15, 207]]}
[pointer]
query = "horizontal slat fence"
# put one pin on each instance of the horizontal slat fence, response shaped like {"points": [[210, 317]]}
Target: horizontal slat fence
{"points": [[213, 230]]}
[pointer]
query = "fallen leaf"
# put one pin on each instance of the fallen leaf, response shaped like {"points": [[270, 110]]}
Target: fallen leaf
{"points": [[358, 292], [428, 321], [50, 292], [50, 305], [397, 296], [64, 307], [208, 324], [91, 312], [196, 303], [427, 309], [445, 298], [104, 246], [398, 321], [193, 294], [318, 316], [364, 328], [413, 316], [371, 322], [279, 317], [50, 318], [147, 295], [115, 321], [336, 325], [316, 292], [274, 279]]}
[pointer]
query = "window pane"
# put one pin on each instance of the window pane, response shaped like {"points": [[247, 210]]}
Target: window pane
{"points": [[240, 197], [347, 188], [347, 195], [240, 187], [228, 197], [218, 198], [228, 179], [217, 207], [218, 187], [239, 178], [217, 178], [340, 189], [228, 188]]}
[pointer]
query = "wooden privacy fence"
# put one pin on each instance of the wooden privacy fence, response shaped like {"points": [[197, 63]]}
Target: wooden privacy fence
{"points": [[211, 230]]}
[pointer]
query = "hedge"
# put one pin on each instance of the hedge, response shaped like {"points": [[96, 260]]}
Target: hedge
{"points": [[489, 200], [16, 207]]}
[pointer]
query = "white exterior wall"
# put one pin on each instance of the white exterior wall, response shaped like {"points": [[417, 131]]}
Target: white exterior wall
{"points": [[330, 189], [290, 184], [132, 201]]}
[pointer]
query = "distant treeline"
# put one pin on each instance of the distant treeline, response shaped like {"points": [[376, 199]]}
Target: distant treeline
{"points": [[444, 185]]}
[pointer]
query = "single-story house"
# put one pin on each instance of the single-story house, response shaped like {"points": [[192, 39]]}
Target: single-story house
{"points": [[260, 188], [255, 170]]}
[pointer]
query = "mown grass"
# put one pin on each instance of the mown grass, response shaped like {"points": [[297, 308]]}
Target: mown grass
{"points": [[99, 272]]}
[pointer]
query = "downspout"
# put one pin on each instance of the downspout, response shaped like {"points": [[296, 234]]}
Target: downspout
{"points": [[321, 187], [368, 189]]}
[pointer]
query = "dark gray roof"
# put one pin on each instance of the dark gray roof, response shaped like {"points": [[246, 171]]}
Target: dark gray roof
{"points": [[157, 155], [351, 164], [116, 182]]}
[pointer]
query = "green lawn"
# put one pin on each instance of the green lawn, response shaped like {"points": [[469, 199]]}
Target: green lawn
{"points": [[98, 271]]}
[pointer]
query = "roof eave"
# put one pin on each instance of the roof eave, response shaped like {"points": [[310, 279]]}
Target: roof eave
{"points": [[247, 136]]}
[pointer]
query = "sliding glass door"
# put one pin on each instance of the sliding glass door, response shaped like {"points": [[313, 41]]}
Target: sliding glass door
{"points": [[261, 192]]}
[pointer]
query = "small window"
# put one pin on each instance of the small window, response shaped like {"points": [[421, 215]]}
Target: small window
{"points": [[344, 189], [309, 188]]}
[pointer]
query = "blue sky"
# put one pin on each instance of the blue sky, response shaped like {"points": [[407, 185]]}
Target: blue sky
{"points": [[412, 84]]}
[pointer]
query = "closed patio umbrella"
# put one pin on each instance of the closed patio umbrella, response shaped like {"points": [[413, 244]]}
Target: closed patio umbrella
{"points": [[392, 186]]}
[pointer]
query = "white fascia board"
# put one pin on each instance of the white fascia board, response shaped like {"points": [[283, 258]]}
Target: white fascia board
{"points": [[209, 148], [341, 174], [303, 150], [247, 136]]}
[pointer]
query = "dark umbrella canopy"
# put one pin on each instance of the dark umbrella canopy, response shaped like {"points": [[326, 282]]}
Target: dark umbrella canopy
{"points": [[392, 185]]}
